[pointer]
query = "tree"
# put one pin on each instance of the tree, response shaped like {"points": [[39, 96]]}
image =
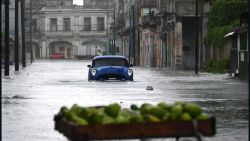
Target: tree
{"points": [[223, 17]]}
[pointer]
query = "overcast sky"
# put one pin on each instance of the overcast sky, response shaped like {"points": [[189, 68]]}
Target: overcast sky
{"points": [[78, 2]]}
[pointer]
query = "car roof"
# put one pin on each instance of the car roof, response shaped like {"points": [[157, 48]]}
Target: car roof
{"points": [[109, 56]]}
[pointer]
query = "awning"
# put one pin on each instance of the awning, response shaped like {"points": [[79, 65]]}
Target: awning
{"points": [[229, 34]]}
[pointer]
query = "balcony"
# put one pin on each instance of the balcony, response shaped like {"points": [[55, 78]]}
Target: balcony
{"points": [[35, 33], [58, 33], [150, 21], [77, 32], [148, 3], [92, 33]]}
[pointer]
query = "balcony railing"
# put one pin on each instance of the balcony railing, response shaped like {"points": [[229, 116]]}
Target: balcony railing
{"points": [[35, 33], [59, 33], [75, 32], [92, 33]]}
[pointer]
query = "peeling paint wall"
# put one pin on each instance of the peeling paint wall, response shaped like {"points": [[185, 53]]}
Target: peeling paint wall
{"points": [[178, 51]]}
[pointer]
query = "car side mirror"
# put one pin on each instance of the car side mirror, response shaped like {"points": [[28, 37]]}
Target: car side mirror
{"points": [[89, 66], [131, 65]]}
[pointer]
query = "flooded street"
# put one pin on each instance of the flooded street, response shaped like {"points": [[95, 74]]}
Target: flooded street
{"points": [[31, 97]]}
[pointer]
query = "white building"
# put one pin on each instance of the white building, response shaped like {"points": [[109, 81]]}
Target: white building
{"points": [[77, 31]]}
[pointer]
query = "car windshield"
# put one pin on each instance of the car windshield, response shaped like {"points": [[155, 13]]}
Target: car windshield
{"points": [[110, 62]]}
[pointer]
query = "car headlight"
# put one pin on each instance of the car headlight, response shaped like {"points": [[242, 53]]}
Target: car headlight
{"points": [[93, 71], [130, 72]]}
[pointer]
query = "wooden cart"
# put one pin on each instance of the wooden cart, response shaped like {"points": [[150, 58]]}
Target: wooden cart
{"points": [[173, 129]]}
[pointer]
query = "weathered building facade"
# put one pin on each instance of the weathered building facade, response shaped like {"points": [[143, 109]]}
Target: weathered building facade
{"points": [[126, 29], [165, 32], [76, 31]]}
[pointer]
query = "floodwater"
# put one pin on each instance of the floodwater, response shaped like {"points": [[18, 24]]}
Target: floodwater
{"points": [[32, 96]]}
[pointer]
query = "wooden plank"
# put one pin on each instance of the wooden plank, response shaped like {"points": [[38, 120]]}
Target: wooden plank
{"points": [[134, 130]]}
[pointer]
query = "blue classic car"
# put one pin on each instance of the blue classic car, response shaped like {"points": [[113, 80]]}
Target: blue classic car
{"points": [[110, 67]]}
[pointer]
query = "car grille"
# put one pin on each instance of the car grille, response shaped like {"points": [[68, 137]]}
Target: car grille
{"points": [[111, 76]]}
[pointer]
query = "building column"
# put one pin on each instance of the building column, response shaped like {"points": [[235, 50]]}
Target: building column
{"points": [[59, 23], [93, 23], [76, 45], [48, 49], [43, 50], [77, 28]]}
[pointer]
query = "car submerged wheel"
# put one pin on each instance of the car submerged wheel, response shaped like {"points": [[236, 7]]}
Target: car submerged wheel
{"points": [[90, 78], [131, 79]]}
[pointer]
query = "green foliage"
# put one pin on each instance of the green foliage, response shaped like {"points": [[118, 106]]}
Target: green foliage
{"points": [[220, 66], [224, 12], [216, 35], [223, 17]]}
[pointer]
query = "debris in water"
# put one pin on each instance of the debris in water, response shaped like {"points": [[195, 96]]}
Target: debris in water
{"points": [[18, 97], [149, 88]]}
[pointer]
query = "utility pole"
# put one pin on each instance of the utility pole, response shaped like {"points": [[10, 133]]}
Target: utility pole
{"points": [[1, 34], [107, 29], [248, 52], [7, 39], [16, 36], [23, 34], [196, 38], [133, 33], [1, 47], [114, 52], [31, 49], [130, 42]]}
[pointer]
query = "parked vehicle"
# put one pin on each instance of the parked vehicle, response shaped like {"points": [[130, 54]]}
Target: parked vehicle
{"points": [[57, 56], [110, 68]]}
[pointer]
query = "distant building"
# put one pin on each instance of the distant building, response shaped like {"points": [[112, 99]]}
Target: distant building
{"points": [[58, 26]]}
